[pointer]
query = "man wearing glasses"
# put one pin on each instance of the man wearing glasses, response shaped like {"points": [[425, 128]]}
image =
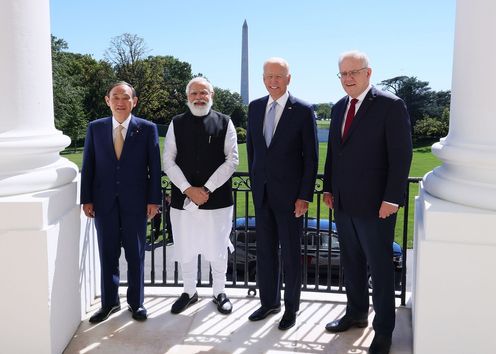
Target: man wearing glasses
{"points": [[368, 159]]}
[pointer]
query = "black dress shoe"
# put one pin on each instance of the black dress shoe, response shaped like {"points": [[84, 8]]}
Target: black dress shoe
{"points": [[345, 323], [380, 344], [139, 314], [104, 313], [223, 304], [288, 320], [263, 312], [183, 302]]}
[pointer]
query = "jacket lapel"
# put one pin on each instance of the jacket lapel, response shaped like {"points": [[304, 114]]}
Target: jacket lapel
{"points": [[259, 128], [108, 138], [339, 117], [284, 120], [362, 111], [132, 131]]}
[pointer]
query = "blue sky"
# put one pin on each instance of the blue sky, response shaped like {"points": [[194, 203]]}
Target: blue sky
{"points": [[413, 38]]}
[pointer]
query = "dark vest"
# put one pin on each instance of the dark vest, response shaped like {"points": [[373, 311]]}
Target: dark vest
{"points": [[200, 151]]}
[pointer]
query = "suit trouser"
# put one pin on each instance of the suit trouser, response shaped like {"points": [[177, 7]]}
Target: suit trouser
{"points": [[189, 271], [276, 228], [366, 245], [115, 228]]}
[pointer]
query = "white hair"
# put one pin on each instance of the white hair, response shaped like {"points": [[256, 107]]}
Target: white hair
{"points": [[201, 80], [277, 60], [356, 55]]}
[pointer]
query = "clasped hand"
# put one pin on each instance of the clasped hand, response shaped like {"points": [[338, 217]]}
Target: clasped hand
{"points": [[198, 195]]}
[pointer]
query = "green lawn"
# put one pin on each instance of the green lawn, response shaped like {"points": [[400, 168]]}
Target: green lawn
{"points": [[423, 161], [323, 124]]}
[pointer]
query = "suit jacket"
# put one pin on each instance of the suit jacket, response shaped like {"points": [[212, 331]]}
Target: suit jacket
{"points": [[286, 170], [372, 164], [134, 179]]}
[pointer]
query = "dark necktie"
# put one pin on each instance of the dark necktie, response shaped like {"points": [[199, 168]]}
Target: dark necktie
{"points": [[349, 117]]}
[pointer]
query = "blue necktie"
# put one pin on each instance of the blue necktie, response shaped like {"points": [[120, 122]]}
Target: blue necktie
{"points": [[269, 123]]}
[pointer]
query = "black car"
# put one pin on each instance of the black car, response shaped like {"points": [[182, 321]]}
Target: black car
{"points": [[320, 253]]}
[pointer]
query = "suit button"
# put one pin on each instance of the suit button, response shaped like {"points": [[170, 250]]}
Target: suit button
{"points": [[118, 182], [118, 167]]}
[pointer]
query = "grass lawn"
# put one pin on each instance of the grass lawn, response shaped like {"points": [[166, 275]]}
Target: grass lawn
{"points": [[323, 124], [423, 162]]}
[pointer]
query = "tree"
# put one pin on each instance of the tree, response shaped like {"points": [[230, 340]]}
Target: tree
{"points": [[241, 134], [430, 128], [125, 55], [163, 90], [438, 102], [125, 51], [67, 96], [79, 85], [414, 92], [230, 103], [323, 110], [239, 116]]}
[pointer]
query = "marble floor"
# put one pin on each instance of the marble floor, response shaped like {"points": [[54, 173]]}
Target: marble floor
{"points": [[201, 329]]}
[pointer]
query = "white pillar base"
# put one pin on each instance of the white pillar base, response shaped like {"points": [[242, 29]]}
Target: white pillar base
{"points": [[32, 163], [39, 270], [467, 175], [453, 290]]}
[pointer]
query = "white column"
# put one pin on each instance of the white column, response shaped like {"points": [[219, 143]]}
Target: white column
{"points": [[39, 211], [455, 238], [29, 142], [468, 173]]}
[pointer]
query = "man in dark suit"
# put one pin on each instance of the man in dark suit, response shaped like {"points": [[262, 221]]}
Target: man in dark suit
{"points": [[366, 172], [282, 162], [120, 188]]}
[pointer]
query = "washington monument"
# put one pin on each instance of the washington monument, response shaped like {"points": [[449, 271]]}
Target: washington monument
{"points": [[244, 65]]}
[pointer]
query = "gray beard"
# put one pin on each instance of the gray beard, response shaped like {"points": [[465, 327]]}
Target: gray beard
{"points": [[201, 110]]}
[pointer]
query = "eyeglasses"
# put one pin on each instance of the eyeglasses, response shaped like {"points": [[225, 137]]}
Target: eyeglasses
{"points": [[352, 73]]}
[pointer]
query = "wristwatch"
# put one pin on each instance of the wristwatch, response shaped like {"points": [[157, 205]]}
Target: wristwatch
{"points": [[206, 190]]}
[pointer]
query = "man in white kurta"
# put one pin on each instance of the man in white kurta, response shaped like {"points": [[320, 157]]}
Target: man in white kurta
{"points": [[200, 156]]}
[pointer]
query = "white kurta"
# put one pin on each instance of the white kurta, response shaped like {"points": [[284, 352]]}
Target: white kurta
{"points": [[204, 232], [201, 231]]}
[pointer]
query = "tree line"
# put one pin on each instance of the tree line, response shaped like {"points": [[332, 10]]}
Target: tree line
{"points": [[428, 109], [80, 83]]}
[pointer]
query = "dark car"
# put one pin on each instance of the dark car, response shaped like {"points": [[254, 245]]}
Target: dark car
{"points": [[320, 253]]}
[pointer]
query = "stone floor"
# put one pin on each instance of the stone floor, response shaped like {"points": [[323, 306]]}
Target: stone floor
{"points": [[201, 329]]}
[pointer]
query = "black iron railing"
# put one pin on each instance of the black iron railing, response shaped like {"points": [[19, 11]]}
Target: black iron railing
{"points": [[321, 267]]}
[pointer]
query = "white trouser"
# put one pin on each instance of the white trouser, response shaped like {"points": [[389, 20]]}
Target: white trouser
{"points": [[189, 272]]}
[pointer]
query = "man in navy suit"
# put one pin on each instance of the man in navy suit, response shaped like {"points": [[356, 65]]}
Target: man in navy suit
{"points": [[366, 172], [282, 162], [121, 189]]}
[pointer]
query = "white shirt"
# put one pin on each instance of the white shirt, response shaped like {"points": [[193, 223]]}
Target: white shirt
{"points": [[221, 174], [281, 103], [124, 124]]}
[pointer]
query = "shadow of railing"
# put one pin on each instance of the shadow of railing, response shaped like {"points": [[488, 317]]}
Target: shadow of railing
{"points": [[321, 266]]}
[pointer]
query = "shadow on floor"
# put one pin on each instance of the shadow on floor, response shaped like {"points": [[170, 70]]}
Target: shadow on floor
{"points": [[201, 329]]}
